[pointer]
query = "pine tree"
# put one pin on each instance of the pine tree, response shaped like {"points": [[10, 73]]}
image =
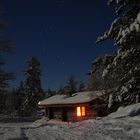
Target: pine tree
{"points": [[10, 101], [50, 92], [19, 99], [125, 68], [82, 86], [14, 100], [32, 90], [61, 90], [71, 86]]}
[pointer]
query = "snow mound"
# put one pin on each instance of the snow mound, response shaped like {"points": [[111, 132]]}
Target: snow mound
{"points": [[130, 111], [46, 122], [40, 122], [57, 122]]}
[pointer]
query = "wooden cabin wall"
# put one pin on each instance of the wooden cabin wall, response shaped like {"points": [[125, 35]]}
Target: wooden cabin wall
{"points": [[90, 114], [57, 112]]}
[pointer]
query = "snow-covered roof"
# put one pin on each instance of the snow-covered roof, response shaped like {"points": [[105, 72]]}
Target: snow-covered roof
{"points": [[77, 98]]}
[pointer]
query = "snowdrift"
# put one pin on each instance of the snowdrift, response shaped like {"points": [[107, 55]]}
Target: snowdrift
{"points": [[132, 110]]}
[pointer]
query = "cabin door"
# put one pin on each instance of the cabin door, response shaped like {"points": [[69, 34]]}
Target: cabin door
{"points": [[64, 114]]}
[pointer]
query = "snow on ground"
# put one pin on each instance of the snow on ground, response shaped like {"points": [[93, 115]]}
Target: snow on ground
{"points": [[103, 129], [121, 125]]}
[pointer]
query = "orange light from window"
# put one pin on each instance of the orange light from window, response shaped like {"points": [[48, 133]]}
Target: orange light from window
{"points": [[78, 111], [81, 111]]}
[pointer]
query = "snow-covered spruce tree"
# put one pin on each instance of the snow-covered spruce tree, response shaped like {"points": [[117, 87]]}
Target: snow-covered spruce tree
{"points": [[5, 46], [32, 87], [125, 68], [96, 81]]}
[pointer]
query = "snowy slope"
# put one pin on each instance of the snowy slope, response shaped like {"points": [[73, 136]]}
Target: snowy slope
{"points": [[122, 127]]}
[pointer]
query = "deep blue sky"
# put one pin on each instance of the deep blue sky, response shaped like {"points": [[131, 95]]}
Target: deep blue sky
{"points": [[60, 33]]}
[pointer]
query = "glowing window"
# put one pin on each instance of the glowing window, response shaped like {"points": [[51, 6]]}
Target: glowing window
{"points": [[81, 111], [78, 111]]}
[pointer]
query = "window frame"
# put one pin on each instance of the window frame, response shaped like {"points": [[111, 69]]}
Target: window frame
{"points": [[80, 111]]}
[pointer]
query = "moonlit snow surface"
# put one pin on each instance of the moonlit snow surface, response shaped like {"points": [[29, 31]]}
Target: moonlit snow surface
{"points": [[122, 127]]}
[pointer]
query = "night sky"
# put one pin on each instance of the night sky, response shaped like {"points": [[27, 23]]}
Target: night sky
{"points": [[60, 33]]}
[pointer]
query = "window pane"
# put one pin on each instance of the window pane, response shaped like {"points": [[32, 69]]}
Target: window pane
{"points": [[78, 111], [83, 111]]}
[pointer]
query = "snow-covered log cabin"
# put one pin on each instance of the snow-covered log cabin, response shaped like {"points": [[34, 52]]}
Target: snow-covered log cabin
{"points": [[79, 106]]}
